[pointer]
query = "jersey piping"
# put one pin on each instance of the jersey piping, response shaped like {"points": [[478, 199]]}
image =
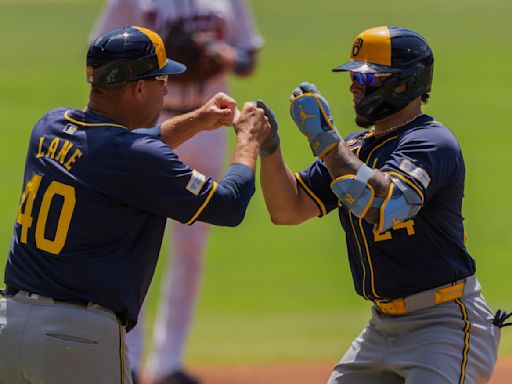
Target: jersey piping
{"points": [[84, 124], [467, 328], [309, 192], [203, 206]]}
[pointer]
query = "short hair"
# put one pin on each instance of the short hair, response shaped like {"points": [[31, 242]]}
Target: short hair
{"points": [[107, 89]]}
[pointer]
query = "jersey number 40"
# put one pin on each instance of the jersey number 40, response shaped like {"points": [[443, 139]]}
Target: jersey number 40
{"points": [[25, 218]]}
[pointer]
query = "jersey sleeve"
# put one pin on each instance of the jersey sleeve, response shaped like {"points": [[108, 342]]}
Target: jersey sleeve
{"points": [[164, 185], [315, 181], [153, 131], [231, 198], [243, 34], [427, 159]]}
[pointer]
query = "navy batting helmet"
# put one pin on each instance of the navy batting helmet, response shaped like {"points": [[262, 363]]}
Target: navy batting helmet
{"points": [[400, 56], [128, 54]]}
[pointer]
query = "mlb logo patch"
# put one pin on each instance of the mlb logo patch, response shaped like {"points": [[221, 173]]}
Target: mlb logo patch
{"points": [[416, 172], [196, 182], [70, 129]]}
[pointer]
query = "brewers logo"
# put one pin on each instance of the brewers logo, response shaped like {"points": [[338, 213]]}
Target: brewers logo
{"points": [[357, 46]]}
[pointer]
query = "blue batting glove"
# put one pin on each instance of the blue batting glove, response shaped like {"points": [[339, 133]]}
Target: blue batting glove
{"points": [[303, 88], [271, 143], [312, 115]]}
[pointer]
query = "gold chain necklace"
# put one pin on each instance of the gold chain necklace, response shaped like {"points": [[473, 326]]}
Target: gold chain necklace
{"points": [[390, 129]]}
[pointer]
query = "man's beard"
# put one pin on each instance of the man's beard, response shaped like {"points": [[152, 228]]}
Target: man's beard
{"points": [[363, 122]]}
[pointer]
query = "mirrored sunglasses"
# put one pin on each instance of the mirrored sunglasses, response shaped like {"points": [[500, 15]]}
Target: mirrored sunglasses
{"points": [[158, 77], [368, 79]]}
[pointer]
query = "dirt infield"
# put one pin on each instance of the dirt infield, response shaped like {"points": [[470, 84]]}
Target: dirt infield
{"points": [[301, 373]]}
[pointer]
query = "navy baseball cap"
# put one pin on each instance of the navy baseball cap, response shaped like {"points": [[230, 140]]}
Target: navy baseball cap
{"points": [[128, 54]]}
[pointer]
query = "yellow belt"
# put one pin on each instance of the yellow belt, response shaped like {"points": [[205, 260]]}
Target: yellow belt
{"points": [[428, 298]]}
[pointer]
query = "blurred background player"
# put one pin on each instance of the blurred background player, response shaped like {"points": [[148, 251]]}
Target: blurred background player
{"points": [[213, 38]]}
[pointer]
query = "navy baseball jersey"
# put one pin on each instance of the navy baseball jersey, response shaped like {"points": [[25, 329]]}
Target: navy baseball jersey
{"points": [[94, 205], [418, 254]]}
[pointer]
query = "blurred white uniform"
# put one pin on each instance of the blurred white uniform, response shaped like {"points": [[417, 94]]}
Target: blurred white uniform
{"points": [[205, 152]]}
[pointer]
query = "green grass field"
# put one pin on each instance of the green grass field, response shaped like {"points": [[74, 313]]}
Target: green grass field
{"points": [[285, 293]]}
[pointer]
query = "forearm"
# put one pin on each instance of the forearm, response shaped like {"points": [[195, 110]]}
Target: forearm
{"points": [[286, 203], [246, 151], [178, 129], [341, 161], [354, 183]]}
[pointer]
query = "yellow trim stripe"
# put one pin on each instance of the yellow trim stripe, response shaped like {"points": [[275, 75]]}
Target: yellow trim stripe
{"points": [[327, 150], [367, 248], [84, 124], [410, 183], [377, 147], [121, 352], [158, 44], [372, 192], [370, 202], [360, 254], [467, 328], [347, 176], [309, 192], [372, 274], [203, 206], [326, 118], [383, 206], [307, 94]]}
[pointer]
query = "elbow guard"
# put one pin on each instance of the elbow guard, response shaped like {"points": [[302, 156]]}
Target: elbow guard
{"points": [[354, 191], [401, 204]]}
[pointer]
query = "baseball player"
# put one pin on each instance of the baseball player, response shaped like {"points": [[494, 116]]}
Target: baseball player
{"points": [[398, 188], [93, 210], [213, 39]]}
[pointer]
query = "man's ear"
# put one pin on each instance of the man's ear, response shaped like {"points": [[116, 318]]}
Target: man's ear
{"points": [[138, 89]]}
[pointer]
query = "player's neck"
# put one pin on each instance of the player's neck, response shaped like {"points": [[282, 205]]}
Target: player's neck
{"points": [[399, 119], [121, 116]]}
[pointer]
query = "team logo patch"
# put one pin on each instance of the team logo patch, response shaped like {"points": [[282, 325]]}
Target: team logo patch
{"points": [[415, 172], [357, 46], [196, 182], [70, 129]]}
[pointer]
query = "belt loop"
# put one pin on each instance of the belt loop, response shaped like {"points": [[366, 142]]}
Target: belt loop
{"points": [[449, 293], [471, 285], [429, 298]]}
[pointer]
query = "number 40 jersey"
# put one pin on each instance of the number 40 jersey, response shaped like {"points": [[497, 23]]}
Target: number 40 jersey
{"points": [[93, 210]]}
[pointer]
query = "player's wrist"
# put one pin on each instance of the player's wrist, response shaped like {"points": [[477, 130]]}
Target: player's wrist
{"points": [[248, 139]]}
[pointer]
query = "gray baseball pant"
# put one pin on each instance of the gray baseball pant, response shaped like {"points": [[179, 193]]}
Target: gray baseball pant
{"points": [[44, 342]]}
